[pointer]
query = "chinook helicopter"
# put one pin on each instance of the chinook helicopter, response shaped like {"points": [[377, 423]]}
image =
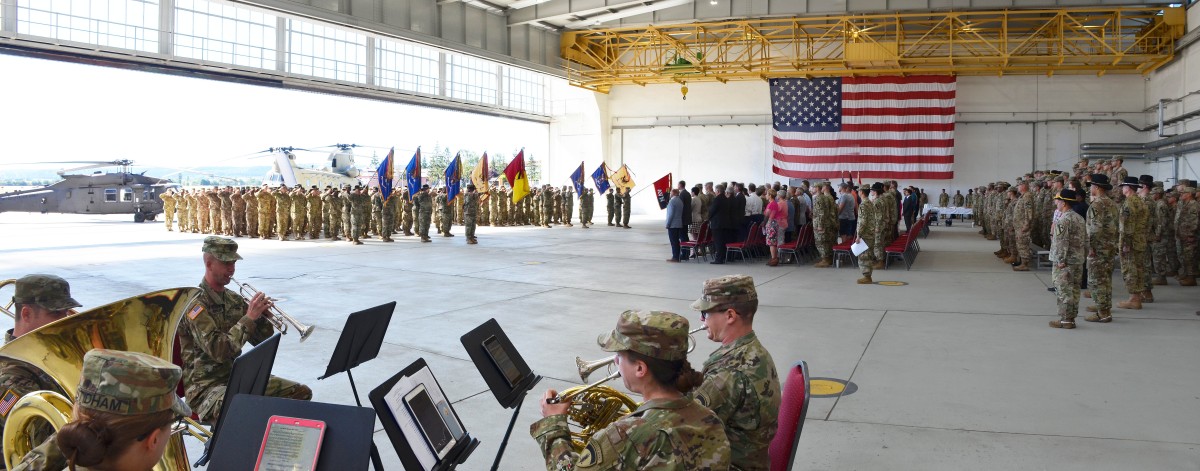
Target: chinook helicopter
{"points": [[339, 168], [122, 192]]}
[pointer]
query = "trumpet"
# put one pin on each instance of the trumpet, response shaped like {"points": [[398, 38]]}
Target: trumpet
{"points": [[7, 308], [586, 368], [276, 316]]}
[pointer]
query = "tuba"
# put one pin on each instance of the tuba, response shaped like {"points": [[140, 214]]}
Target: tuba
{"points": [[144, 324]]}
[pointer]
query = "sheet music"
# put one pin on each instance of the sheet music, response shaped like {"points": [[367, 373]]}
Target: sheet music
{"points": [[412, 432]]}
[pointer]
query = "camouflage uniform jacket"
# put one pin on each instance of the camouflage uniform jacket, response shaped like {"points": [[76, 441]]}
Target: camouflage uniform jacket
{"points": [[1134, 219], [470, 204], [824, 214], [18, 379], [674, 434], [45, 457], [1023, 212], [1102, 227], [1069, 243], [211, 336], [741, 386]]}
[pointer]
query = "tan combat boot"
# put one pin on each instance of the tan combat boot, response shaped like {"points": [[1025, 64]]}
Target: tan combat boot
{"points": [[824, 263], [1187, 281], [1011, 259], [1147, 296], [1062, 324], [866, 280], [878, 266], [1087, 294], [1021, 267], [1160, 280], [1093, 308], [1134, 302], [1102, 317]]}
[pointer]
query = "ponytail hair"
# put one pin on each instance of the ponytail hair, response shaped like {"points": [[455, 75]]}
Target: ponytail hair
{"points": [[677, 374], [94, 436]]}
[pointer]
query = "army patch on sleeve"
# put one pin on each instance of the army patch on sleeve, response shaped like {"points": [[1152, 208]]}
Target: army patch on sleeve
{"points": [[591, 456], [7, 403], [195, 312]]}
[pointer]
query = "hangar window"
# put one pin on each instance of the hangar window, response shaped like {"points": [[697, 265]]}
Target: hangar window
{"points": [[118, 24], [222, 32], [406, 66], [524, 90], [110, 195], [326, 52], [471, 79]]}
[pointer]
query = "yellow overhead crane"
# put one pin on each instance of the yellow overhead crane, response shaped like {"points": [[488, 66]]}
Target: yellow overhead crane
{"points": [[1095, 40]]}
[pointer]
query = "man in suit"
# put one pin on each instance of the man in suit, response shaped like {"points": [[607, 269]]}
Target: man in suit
{"points": [[910, 208], [738, 212], [686, 198], [720, 223]]}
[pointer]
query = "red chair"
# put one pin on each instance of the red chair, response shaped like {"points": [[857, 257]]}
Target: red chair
{"points": [[793, 407], [802, 245], [843, 250], [177, 359], [743, 247], [703, 239]]}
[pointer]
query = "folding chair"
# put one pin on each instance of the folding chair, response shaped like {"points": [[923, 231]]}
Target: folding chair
{"points": [[743, 247], [793, 407], [703, 238]]}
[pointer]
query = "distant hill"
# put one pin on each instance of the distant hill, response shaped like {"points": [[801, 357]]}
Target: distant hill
{"points": [[40, 175]]}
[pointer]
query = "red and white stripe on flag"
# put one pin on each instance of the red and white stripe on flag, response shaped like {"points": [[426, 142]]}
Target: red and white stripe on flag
{"points": [[878, 127]]}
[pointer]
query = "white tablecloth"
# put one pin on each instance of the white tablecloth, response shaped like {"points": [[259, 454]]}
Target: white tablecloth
{"points": [[947, 211]]}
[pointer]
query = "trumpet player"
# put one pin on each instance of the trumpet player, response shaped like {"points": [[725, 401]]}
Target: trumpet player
{"points": [[668, 431], [740, 384], [38, 300], [211, 334]]}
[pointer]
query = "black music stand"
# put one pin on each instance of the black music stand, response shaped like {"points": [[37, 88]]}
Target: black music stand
{"points": [[348, 431], [456, 456], [510, 395], [360, 342], [250, 374]]}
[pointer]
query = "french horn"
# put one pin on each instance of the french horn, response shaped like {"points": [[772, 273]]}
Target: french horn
{"points": [[144, 324]]}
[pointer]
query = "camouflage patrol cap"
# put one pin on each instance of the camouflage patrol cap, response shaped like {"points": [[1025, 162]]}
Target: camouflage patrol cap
{"points": [[129, 383], [725, 290], [48, 291], [1187, 190], [224, 249], [1158, 190], [656, 334]]}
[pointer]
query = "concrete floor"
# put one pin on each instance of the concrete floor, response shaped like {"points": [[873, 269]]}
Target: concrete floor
{"points": [[956, 370]]}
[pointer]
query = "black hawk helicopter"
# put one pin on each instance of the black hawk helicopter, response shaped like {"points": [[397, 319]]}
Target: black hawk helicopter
{"points": [[122, 192]]}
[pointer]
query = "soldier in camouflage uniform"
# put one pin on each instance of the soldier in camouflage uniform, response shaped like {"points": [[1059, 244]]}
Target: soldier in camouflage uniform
{"points": [[669, 431], [226, 197], [387, 217], [283, 209], [333, 202], [115, 385], [1164, 236], [377, 212], [1067, 254], [870, 229], [485, 210], [1133, 226], [251, 198], [239, 212], [168, 198], [406, 212], [37, 300], [1187, 222], [470, 205], [586, 200], [741, 384], [299, 213], [358, 215], [1023, 220], [314, 213], [423, 208], [212, 334], [1151, 231], [348, 213], [614, 207], [1101, 239], [214, 211], [626, 206], [825, 225], [445, 212], [184, 202], [266, 212], [568, 206]]}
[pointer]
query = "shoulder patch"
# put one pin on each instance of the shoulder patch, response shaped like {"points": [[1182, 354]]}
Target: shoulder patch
{"points": [[591, 456], [195, 312], [7, 403]]}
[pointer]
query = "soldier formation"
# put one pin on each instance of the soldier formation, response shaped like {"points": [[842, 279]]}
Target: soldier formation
{"points": [[1150, 230], [358, 213]]}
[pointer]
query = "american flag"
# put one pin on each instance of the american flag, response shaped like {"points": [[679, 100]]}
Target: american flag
{"points": [[874, 127], [10, 398]]}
